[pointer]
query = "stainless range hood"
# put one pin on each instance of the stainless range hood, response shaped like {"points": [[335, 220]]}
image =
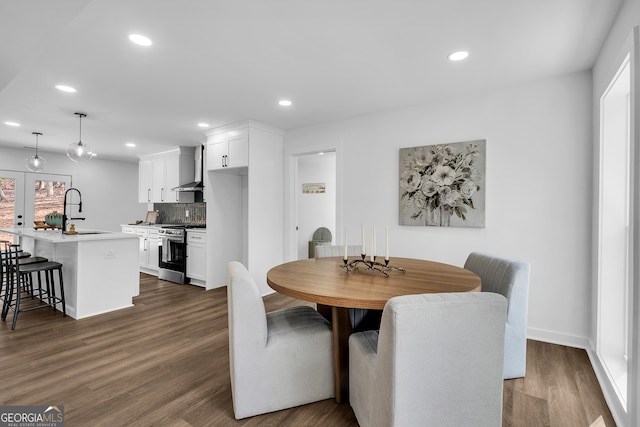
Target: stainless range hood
{"points": [[196, 185]]}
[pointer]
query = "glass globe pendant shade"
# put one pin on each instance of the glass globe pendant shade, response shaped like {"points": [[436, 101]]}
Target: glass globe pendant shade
{"points": [[78, 151], [36, 163]]}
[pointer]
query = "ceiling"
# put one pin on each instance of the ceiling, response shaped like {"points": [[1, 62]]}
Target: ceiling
{"points": [[221, 62]]}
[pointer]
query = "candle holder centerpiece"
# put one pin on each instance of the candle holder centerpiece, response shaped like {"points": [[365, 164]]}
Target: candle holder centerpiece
{"points": [[369, 266]]}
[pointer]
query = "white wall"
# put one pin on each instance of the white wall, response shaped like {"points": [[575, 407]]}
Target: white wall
{"points": [[538, 205], [109, 188], [317, 209]]}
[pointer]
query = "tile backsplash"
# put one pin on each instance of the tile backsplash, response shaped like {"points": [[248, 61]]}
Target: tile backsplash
{"points": [[176, 213]]}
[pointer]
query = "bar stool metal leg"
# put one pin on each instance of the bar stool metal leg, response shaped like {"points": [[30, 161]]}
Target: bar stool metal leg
{"points": [[21, 280]]}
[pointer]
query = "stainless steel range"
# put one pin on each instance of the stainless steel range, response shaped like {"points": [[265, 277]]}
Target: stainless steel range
{"points": [[172, 253]]}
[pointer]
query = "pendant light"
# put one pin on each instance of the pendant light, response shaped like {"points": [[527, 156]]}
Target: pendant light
{"points": [[78, 151], [36, 163]]}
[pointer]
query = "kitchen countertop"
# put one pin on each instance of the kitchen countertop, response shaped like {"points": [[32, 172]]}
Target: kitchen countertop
{"points": [[163, 225], [56, 236]]}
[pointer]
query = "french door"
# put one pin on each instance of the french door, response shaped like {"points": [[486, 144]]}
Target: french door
{"points": [[29, 197], [11, 201]]}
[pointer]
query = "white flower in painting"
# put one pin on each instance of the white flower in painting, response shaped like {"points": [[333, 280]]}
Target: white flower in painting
{"points": [[468, 189], [443, 175], [429, 188], [452, 198], [410, 180], [423, 157]]}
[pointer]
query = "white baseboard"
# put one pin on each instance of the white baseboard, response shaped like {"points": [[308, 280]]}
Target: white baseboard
{"points": [[558, 338]]}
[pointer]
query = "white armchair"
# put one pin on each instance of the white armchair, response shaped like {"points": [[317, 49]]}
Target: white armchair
{"points": [[510, 278], [277, 360], [437, 361]]}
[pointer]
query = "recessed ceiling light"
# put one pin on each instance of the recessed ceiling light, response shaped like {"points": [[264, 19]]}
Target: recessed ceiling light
{"points": [[458, 56], [321, 153], [203, 125], [13, 124], [130, 144], [284, 102], [140, 40], [65, 88]]}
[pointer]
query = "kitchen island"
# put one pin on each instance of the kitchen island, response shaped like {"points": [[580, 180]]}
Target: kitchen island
{"points": [[100, 268]]}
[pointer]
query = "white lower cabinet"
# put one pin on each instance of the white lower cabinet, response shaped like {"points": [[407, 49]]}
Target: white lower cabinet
{"points": [[148, 250], [197, 257], [153, 251]]}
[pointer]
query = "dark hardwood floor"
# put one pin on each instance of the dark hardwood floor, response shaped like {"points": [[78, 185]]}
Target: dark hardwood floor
{"points": [[165, 362]]}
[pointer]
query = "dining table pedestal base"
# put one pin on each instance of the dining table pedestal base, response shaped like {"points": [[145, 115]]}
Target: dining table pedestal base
{"points": [[342, 329]]}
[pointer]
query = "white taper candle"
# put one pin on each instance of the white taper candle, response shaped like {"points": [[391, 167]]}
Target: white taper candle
{"points": [[372, 251], [372, 243], [345, 243], [386, 256]]}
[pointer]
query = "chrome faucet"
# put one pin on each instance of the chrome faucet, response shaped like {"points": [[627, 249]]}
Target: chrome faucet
{"points": [[64, 209]]}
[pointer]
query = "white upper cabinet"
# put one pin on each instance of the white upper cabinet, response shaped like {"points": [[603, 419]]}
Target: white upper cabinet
{"points": [[229, 150], [158, 181], [145, 180], [159, 173]]}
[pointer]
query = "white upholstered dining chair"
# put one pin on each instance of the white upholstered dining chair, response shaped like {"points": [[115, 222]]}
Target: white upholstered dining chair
{"points": [[510, 278], [436, 361], [278, 360], [323, 251]]}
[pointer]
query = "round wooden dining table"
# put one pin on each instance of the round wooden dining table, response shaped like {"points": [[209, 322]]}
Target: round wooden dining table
{"points": [[325, 282]]}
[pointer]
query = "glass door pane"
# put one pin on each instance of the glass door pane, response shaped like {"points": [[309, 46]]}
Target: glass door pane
{"points": [[11, 201], [45, 195]]}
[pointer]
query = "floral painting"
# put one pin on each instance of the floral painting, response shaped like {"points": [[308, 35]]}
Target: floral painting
{"points": [[443, 185]]}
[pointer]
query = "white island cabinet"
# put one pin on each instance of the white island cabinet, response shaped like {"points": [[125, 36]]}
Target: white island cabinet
{"points": [[100, 269]]}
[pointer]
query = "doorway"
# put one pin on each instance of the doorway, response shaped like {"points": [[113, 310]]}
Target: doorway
{"points": [[315, 197], [615, 246], [29, 197]]}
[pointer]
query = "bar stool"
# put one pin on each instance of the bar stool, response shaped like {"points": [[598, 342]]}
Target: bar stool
{"points": [[24, 258], [19, 281]]}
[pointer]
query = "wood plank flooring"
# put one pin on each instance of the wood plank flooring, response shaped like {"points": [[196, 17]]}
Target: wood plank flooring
{"points": [[165, 362]]}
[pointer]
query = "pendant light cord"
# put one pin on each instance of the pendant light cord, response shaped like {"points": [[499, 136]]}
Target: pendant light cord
{"points": [[36, 134], [80, 140]]}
